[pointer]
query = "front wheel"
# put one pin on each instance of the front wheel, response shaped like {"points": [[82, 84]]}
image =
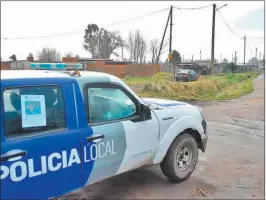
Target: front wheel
{"points": [[181, 158]]}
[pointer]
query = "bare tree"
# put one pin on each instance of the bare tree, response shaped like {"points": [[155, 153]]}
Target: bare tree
{"points": [[142, 50], [123, 46], [49, 55], [137, 46], [154, 49], [130, 45]]}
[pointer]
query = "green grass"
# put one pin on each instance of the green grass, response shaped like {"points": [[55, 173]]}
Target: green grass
{"points": [[207, 88], [136, 80]]}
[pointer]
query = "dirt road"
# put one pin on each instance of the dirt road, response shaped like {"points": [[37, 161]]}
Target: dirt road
{"points": [[232, 167]]}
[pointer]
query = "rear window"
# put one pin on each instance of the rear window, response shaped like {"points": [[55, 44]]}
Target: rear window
{"points": [[30, 110], [183, 71]]}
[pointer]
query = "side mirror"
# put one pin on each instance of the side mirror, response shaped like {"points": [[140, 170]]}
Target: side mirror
{"points": [[145, 112]]}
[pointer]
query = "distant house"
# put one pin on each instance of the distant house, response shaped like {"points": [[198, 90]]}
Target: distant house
{"points": [[20, 64], [17, 65]]}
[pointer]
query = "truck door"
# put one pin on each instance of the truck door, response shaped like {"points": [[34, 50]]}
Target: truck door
{"points": [[40, 144], [120, 141]]}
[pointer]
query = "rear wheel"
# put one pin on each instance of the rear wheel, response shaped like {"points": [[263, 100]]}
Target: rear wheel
{"points": [[181, 158]]}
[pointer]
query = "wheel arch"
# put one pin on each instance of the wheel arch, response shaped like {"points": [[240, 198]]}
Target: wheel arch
{"points": [[194, 129]]}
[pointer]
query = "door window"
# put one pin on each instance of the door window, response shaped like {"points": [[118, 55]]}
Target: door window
{"points": [[30, 110], [107, 104]]}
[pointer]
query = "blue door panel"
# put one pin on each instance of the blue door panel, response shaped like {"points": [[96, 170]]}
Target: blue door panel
{"points": [[62, 176], [44, 182]]}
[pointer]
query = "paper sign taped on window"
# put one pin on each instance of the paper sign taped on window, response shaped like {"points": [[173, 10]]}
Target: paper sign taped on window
{"points": [[33, 111]]}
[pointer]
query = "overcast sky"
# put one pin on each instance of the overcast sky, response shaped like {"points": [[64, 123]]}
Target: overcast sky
{"points": [[191, 29]]}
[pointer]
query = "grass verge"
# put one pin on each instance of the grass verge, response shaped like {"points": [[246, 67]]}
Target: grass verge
{"points": [[207, 88]]}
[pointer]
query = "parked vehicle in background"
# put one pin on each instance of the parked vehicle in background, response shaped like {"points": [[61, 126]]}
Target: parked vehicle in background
{"points": [[186, 75]]}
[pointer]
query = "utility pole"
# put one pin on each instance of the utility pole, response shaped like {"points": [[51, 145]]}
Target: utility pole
{"points": [[183, 58], [200, 55], [192, 57], [256, 60], [245, 38], [158, 55], [171, 24], [213, 34], [235, 58]]}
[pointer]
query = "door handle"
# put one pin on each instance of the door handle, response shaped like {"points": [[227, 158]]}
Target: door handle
{"points": [[5, 157], [94, 137]]}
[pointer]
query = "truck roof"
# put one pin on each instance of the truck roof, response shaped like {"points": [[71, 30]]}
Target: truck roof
{"points": [[24, 74]]}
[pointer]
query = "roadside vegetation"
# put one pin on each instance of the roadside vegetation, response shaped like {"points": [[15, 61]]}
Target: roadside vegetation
{"points": [[207, 88]]}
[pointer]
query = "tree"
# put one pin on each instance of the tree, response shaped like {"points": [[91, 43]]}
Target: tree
{"points": [[137, 46], [123, 46], [77, 56], [30, 55], [176, 58], [13, 58], [230, 67], [225, 60], [235, 59], [130, 45], [100, 42], [253, 60], [48, 55], [69, 54], [154, 49]]}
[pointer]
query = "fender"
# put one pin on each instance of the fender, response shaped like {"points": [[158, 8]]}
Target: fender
{"points": [[175, 129]]}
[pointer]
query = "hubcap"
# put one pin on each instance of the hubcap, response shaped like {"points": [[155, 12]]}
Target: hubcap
{"points": [[184, 157]]}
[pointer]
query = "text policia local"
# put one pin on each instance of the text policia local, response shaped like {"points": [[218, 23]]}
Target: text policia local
{"points": [[20, 170]]}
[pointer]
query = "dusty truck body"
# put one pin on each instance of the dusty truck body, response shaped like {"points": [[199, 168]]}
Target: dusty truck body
{"points": [[61, 131]]}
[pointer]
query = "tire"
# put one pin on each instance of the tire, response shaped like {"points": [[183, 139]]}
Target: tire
{"points": [[171, 168]]}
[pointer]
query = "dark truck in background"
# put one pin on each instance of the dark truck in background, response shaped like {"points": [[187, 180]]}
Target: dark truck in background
{"points": [[186, 75]]}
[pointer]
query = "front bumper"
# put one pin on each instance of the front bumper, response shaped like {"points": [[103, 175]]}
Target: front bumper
{"points": [[204, 136], [182, 78], [203, 142]]}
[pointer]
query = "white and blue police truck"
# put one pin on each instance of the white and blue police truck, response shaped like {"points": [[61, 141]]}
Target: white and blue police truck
{"points": [[62, 130]]}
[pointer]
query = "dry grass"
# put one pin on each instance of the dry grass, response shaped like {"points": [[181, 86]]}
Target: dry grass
{"points": [[163, 85]]}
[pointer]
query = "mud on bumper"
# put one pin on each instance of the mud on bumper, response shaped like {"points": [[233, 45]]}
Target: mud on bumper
{"points": [[203, 142], [204, 137]]}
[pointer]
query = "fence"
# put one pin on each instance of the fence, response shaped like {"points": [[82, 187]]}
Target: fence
{"points": [[140, 70]]}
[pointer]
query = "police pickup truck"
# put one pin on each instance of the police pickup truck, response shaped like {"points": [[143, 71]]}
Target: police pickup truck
{"points": [[62, 130]]}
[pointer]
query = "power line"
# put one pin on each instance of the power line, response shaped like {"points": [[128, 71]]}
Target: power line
{"points": [[79, 31], [249, 46], [137, 17], [250, 49], [227, 24], [197, 8], [259, 38]]}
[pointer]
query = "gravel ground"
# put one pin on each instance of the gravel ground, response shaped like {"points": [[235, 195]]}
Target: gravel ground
{"points": [[232, 167]]}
